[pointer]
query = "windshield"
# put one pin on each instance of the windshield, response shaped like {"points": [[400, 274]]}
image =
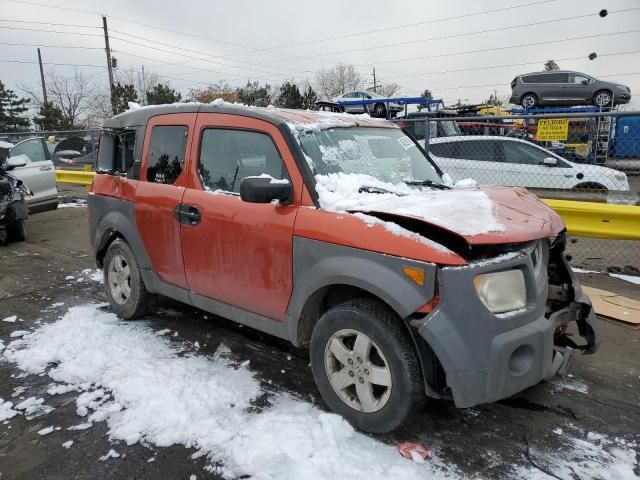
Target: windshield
{"points": [[386, 154]]}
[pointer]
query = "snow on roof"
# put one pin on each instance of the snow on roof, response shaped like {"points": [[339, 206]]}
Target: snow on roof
{"points": [[465, 211], [5, 144]]}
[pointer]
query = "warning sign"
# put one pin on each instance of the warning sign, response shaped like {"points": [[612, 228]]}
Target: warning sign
{"points": [[552, 129]]}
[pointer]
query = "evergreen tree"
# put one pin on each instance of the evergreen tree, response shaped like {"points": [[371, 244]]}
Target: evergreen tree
{"points": [[551, 65], [12, 109], [255, 95], [289, 96], [122, 95], [50, 117], [161, 94], [309, 98]]}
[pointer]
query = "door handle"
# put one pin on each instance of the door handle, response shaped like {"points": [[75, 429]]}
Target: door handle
{"points": [[45, 168], [187, 214]]}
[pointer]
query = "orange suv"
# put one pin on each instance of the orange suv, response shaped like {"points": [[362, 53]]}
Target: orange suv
{"points": [[338, 233]]}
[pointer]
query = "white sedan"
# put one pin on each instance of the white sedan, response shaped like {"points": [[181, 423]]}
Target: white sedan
{"points": [[514, 162]]}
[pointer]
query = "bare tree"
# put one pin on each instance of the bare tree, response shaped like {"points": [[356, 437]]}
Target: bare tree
{"points": [[133, 76], [75, 95], [389, 89], [335, 81]]}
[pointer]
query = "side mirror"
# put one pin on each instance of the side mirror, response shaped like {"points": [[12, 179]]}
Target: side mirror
{"points": [[585, 82], [15, 162], [265, 190], [550, 162]]}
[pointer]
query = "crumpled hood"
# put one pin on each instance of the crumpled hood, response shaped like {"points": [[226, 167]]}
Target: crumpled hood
{"points": [[482, 215]]}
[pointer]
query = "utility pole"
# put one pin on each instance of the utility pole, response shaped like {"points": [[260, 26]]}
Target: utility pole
{"points": [[109, 65], [375, 84], [144, 88], [44, 88]]}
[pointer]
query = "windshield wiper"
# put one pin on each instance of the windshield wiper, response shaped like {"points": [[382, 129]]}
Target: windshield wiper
{"points": [[372, 189], [427, 183]]}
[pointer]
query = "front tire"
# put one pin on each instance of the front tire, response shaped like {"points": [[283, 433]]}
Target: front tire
{"points": [[379, 110], [124, 286], [603, 98], [17, 231], [364, 365]]}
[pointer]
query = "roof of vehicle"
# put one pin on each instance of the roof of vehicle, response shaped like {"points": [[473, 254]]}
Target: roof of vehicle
{"points": [[552, 71], [277, 116], [462, 138]]}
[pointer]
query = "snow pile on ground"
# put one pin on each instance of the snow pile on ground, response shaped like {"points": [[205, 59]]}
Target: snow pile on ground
{"points": [[6, 410], [591, 456], [72, 203], [10, 319], [135, 381], [469, 212], [627, 278]]}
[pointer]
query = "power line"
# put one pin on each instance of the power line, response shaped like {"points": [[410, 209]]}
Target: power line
{"points": [[457, 35], [51, 63], [406, 25], [49, 46], [582, 57], [52, 24], [50, 31], [270, 72], [504, 47]]}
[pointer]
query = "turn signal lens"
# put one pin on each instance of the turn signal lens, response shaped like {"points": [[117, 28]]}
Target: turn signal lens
{"points": [[415, 274]]}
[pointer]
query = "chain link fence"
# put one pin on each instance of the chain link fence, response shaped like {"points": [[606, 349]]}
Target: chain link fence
{"points": [[574, 156], [71, 149], [589, 156]]}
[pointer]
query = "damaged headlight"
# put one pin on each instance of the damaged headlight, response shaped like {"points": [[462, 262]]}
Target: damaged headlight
{"points": [[501, 291]]}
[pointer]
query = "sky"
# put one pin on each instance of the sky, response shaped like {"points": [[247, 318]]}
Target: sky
{"points": [[458, 49]]}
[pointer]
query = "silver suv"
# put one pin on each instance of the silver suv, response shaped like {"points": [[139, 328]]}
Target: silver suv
{"points": [[564, 88]]}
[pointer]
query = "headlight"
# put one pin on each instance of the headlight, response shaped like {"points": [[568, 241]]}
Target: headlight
{"points": [[501, 291], [616, 176]]}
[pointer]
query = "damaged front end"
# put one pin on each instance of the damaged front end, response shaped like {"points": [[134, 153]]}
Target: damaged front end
{"points": [[496, 342]]}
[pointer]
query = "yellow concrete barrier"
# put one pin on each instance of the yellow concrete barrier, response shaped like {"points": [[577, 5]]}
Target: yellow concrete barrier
{"points": [[75, 177], [598, 220]]}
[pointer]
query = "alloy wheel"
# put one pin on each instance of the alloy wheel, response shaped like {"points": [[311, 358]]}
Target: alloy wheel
{"points": [[119, 279], [603, 99], [358, 370]]}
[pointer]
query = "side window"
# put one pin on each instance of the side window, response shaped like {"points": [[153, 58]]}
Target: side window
{"points": [[534, 79], [557, 78], [478, 150], [523, 154], [578, 79], [227, 156], [33, 149], [441, 149], [166, 153]]}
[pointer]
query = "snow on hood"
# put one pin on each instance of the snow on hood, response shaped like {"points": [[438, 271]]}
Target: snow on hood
{"points": [[467, 212]]}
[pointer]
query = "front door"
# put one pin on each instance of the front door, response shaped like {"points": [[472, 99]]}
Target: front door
{"points": [[159, 192], [38, 174], [524, 166], [236, 252]]}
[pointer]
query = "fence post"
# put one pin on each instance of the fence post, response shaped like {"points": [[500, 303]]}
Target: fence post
{"points": [[427, 134]]}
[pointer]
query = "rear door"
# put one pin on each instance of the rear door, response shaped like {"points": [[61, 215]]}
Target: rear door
{"points": [[557, 88], [159, 192], [38, 174], [237, 252]]}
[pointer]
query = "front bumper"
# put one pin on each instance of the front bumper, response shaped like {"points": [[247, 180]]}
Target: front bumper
{"points": [[487, 357]]}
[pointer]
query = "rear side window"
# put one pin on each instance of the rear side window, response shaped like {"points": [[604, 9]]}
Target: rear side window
{"points": [[228, 156], [479, 150], [166, 153], [442, 149]]}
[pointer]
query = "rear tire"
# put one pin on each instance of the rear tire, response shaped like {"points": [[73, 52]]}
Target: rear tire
{"points": [[379, 110], [125, 289], [365, 366], [529, 100]]}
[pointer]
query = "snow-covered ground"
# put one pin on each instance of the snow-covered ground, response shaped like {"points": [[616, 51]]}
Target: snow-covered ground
{"points": [[155, 391]]}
